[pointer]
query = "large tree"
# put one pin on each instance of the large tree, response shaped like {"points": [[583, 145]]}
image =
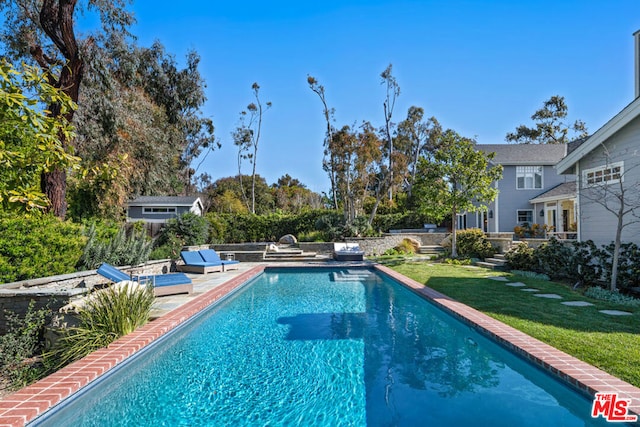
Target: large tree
{"points": [[43, 32], [551, 126], [457, 179], [416, 138], [139, 127], [328, 162], [392, 92]]}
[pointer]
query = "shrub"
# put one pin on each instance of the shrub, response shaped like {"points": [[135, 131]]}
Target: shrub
{"points": [[554, 259], [121, 249], [628, 264], [21, 343], [531, 274], [520, 257], [602, 294], [407, 246], [109, 314], [38, 246], [472, 243]]}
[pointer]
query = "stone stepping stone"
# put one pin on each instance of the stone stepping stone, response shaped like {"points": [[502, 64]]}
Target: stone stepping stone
{"points": [[616, 312], [530, 290], [498, 278], [550, 296], [516, 284], [576, 303]]}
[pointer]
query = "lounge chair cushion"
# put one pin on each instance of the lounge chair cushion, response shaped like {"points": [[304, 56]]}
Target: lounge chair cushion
{"points": [[115, 275], [112, 273], [209, 255], [194, 258]]}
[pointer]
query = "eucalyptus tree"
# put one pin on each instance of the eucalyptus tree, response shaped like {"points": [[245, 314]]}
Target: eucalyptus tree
{"points": [[551, 126], [457, 179], [328, 163], [247, 137], [43, 33], [416, 138], [139, 126], [392, 93]]}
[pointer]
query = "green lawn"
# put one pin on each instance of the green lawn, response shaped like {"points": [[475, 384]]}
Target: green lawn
{"points": [[612, 343]]}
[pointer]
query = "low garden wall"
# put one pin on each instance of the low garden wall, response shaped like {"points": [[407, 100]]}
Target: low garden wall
{"points": [[57, 291]]}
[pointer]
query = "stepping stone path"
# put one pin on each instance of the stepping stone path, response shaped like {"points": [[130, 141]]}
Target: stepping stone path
{"points": [[550, 296], [530, 290], [616, 312], [576, 303], [498, 278], [516, 284]]}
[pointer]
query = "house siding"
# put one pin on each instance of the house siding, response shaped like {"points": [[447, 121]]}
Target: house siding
{"points": [[596, 223]]}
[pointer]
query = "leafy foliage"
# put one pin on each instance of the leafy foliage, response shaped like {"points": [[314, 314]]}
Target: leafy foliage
{"points": [[599, 293], [532, 230], [628, 264], [187, 229], [38, 246], [520, 257], [21, 343], [30, 139], [109, 314], [472, 243], [457, 179], [123, 248], [550, 127]]}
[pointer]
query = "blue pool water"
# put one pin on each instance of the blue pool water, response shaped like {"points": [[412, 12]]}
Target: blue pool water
{"points": [[297, 347]]}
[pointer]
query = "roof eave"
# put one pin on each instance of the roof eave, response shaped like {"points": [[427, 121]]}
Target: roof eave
{"points": [[620, 120]]}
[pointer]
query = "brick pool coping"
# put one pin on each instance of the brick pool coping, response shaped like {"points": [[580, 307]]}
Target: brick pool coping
{"points": [[28, 403]]}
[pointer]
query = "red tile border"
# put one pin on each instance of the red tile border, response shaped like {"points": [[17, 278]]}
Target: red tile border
{"points": [[25, 405], [578, 374]]}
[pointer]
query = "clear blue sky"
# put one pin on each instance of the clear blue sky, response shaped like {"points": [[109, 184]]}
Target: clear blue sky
{"points": [[480, 67]]}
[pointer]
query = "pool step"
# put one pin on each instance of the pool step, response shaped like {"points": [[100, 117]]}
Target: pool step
{"points": [[353, 276]]}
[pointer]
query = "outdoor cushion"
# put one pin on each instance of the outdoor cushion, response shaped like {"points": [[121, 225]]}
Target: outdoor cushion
{"points": [[115, 275], [209, 255], [194, 258]]}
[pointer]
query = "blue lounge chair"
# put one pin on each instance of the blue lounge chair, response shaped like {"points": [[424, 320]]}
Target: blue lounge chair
{"points": [[194, 263], [209, 255], [163, 284]]}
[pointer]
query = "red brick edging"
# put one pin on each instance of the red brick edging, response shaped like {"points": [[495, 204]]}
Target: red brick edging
{"points": [[25, 405], [580, 375]]}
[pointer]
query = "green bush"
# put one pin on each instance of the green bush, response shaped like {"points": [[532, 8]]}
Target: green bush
{"points": [[628, 264], [554, 259], [188, 229], [21, 343], [109, 314], [472, 243], [520, 257], [38, 246]]}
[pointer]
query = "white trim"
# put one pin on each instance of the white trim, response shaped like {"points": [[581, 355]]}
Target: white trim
{"points": [[620, 120], [530, 169], [602, 173], [533, 216]]}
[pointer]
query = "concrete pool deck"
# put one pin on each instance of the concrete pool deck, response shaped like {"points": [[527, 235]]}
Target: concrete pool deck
{"points": [[28, 403]]}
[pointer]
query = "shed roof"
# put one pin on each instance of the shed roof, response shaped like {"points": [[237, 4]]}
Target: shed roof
{"points": [[164, 201], [525, 154]]}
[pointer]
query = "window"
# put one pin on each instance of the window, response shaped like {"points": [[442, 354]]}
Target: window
{"points": [[525, 215], [159, 210], [528, 177], [609, 174]]}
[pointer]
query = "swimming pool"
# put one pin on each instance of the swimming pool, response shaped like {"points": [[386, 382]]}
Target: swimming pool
{"points": [[321, 347]]}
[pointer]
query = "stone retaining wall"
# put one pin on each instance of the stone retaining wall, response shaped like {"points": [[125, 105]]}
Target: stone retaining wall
{"points": [[58, 291]]}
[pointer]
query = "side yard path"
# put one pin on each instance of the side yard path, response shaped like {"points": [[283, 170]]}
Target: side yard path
{"points": [[585, 328]]}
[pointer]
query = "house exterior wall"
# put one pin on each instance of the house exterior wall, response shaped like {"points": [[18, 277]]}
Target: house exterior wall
{"points": [[596, 223], [135, 213], [510, 199]]}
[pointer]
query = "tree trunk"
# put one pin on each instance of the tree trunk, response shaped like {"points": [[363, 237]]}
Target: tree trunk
{"points": [[454, 226], [616, 250], [56, 19]]}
